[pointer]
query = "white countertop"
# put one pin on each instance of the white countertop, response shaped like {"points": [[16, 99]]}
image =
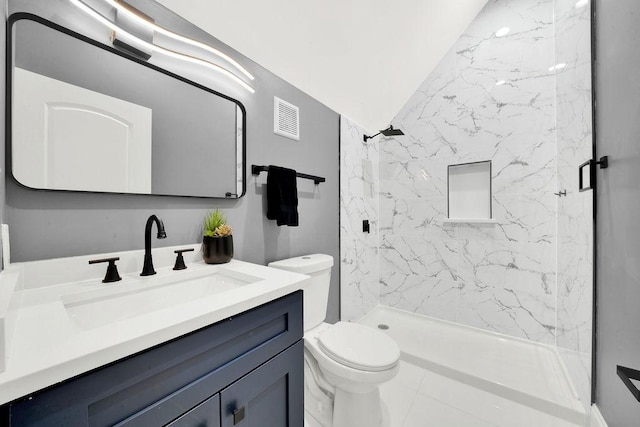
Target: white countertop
{"points": [[47, 346]]}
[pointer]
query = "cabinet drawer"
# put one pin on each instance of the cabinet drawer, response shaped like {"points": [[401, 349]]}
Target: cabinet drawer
{"points": [[163, 382], [206, 414]]}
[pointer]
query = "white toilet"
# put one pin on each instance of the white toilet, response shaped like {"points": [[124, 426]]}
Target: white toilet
{"points": [[345, 362]]}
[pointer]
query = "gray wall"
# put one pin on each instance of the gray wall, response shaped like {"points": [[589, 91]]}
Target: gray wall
{"points": [[45, 224], [617, 90]]}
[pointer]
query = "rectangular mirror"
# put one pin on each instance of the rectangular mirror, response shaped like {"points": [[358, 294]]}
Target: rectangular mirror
{"points": [[87, 117]]}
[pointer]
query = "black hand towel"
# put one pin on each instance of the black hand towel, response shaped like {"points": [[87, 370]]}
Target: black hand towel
{"points": [[282, 196]]}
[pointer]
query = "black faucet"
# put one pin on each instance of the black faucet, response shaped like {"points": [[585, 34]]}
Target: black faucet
{"points": [[147, 269]]}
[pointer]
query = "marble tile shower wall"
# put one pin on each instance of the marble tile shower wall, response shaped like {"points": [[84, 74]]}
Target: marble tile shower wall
{"points": [[359, 187], [490, 98], [575, 231]]}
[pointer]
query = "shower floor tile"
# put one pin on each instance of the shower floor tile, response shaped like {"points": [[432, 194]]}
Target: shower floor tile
{"points": [[420, 398]]}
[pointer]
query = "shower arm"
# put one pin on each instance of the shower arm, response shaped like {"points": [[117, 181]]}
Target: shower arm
{"points": [[366, 137], [390, 131]]}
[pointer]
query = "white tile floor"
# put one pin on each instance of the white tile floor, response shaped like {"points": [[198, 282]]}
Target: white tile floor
{"points": [[420, 398]]}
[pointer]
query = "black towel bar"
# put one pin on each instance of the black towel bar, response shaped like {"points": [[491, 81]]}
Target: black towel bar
{"points": [[255, 170]]}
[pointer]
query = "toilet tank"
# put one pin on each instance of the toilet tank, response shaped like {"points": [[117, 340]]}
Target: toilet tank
{"points": [[316, 291]]}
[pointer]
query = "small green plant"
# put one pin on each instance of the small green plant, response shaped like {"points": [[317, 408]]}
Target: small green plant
{"points": [[215, 225]]}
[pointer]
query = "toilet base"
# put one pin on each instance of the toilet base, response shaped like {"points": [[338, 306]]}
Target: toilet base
{"points": [[318, 401], [358, 409]]}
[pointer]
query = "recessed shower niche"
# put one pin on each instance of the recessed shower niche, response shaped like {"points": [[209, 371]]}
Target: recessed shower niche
{"points": [[469, 192]]}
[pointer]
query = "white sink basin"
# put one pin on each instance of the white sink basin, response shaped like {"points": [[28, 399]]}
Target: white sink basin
{"points": [[136, 297]]}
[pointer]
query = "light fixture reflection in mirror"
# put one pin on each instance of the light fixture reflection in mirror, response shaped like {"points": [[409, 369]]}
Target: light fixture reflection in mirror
{"points": [[155, 48]]}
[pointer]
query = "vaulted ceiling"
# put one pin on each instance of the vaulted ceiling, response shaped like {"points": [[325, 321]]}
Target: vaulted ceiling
{"points": [[362, 58]]}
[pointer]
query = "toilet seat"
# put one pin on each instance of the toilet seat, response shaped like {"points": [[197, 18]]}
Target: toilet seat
{"points": [[359, 347]]}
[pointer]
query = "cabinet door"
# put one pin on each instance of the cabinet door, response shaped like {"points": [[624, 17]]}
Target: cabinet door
{"points": [[270, 396], [206, 414]]}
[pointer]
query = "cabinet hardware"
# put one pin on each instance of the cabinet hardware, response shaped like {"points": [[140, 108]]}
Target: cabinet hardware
{"points": [[238, 415]]}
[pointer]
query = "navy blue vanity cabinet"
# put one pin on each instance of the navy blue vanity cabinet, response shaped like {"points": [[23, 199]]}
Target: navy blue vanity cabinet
{"points": [[243, 371]]}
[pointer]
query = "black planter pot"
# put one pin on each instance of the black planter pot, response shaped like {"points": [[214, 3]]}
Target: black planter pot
{"points": [[217, 250]]}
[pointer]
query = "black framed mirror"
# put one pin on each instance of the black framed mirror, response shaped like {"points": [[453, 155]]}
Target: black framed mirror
{"points": [[83, 116]]}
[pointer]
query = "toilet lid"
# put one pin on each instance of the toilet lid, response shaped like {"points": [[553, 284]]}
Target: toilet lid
{"points": [[359, 347]]}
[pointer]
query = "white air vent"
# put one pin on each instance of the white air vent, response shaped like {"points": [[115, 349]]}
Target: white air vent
{"points": [[286, 119]]}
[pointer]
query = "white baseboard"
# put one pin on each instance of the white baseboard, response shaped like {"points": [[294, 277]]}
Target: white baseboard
{"points": [[597, 420]]}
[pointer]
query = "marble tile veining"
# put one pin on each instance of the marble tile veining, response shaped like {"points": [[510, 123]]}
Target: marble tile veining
{"points": [[498, 276]]}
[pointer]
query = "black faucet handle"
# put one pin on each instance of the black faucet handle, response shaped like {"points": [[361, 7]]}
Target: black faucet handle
{"points": [[179, 251], [180, 265], [112, 269]]}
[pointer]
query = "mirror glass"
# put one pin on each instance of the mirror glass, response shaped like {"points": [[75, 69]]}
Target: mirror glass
{"points": [[86, 117]]}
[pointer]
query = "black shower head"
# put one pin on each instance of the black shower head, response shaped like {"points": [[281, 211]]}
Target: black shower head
{"points": [[390, 131]]}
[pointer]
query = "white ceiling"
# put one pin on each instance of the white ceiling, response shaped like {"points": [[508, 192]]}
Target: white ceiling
{"points": [[362, 58]]}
